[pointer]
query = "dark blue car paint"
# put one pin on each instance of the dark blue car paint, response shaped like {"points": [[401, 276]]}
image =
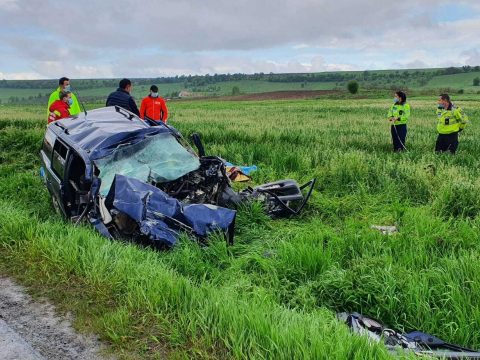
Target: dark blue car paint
{"points": [[97, 134], [160, 216]]}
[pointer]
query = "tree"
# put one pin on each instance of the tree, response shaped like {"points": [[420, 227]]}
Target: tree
{"points": [[476, 81], [452, 70], [235, 90], [353, 87]]}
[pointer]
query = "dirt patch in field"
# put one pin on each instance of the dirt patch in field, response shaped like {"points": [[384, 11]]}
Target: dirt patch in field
{"points": [[282, 95], [40, 328], [273, 95]]}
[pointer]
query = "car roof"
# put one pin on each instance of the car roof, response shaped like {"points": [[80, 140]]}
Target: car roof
{"points": [[98, 132]]}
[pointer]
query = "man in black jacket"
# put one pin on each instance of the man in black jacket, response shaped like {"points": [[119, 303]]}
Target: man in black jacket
{"points": [[122, 97]]}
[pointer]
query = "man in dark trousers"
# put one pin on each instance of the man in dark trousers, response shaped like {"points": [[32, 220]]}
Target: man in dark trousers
{"points": [[154, 107], [451, 120], [121, 97]]}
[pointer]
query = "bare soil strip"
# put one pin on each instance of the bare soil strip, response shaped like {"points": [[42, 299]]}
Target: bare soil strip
{"points": [[282, 95], [32, 330], [272, 95]]}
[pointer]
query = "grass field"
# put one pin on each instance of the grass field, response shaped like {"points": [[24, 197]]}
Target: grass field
{"points": [[140, 91], [456, 81], [274, 293], [101, 92], [260, 86], [6, 93]]}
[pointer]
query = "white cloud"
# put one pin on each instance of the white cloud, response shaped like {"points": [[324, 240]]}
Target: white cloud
{"points": [[471, 57], [54, 69], [411, 64], [211, 64], [21, 76], [126, 38], [9, 5], [301, 46], [189, 25]]}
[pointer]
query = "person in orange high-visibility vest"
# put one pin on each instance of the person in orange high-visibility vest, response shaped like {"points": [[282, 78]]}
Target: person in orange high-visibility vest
{"points": [[154, 107]]}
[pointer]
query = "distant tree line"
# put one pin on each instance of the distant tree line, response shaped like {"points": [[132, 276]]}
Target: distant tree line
{"points": [[199, 82], [38, 99], [369, 80]]}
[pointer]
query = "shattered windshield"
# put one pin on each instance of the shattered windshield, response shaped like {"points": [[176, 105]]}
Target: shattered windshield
{"points": [[160, 158]]}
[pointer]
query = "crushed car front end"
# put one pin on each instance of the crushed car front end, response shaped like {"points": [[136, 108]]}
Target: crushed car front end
{"points": [[145, 183]]}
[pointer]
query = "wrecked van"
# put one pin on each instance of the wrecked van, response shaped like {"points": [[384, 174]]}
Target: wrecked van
{"points": [[140, 180]]}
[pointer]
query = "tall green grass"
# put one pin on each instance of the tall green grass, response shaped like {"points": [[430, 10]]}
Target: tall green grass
{"points": [[273, 293]]}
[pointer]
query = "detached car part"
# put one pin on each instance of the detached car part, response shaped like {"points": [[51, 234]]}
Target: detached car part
{"points": [[416, 342], [280, 196], [140, 180]]}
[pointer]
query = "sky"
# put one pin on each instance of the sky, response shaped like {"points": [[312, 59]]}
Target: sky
{"points": [[44, 39]]}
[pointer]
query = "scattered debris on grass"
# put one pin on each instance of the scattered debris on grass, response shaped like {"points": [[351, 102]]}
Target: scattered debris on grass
{"points": [[417, 342], [385, 229]]}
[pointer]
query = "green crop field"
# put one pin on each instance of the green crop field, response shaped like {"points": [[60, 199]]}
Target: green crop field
{"points": [[275, 292], [260, 86], [6, 94], [221, 89], [455, 81]]}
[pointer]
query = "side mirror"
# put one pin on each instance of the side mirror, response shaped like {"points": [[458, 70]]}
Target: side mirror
{"points": [[198, 143]]}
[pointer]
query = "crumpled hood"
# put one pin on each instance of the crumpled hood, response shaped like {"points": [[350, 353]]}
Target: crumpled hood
{"points": [[161, 217]]}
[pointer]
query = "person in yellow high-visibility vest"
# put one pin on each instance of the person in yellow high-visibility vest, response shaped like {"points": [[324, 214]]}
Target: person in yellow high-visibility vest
{"points": [[398, 116], [451, 120], [63, 85]]}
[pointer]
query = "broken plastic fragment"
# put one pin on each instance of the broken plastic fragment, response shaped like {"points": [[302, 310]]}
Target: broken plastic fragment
{"points": [[385, 229]]}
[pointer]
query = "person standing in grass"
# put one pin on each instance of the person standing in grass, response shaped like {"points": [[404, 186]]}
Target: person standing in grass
{"points": [[398, 116], [63, 85], [60, 109], [121, 97], [154, 107], [450, 121]]}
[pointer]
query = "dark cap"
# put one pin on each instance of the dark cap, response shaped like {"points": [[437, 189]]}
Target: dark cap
{"points": [[154, 88]]}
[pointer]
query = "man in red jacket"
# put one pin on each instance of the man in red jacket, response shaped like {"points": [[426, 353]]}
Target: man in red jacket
{"points": [[60, 109], [154, 107]]}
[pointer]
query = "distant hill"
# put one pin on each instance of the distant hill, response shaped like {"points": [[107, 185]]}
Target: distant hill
{"points": [[452, 79]]}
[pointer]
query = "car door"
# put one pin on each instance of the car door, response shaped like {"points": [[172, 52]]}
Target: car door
{"points": [[56, 174]]}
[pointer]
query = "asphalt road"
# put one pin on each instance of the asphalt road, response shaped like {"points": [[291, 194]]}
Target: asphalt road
{"points": [[13, 346]]}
